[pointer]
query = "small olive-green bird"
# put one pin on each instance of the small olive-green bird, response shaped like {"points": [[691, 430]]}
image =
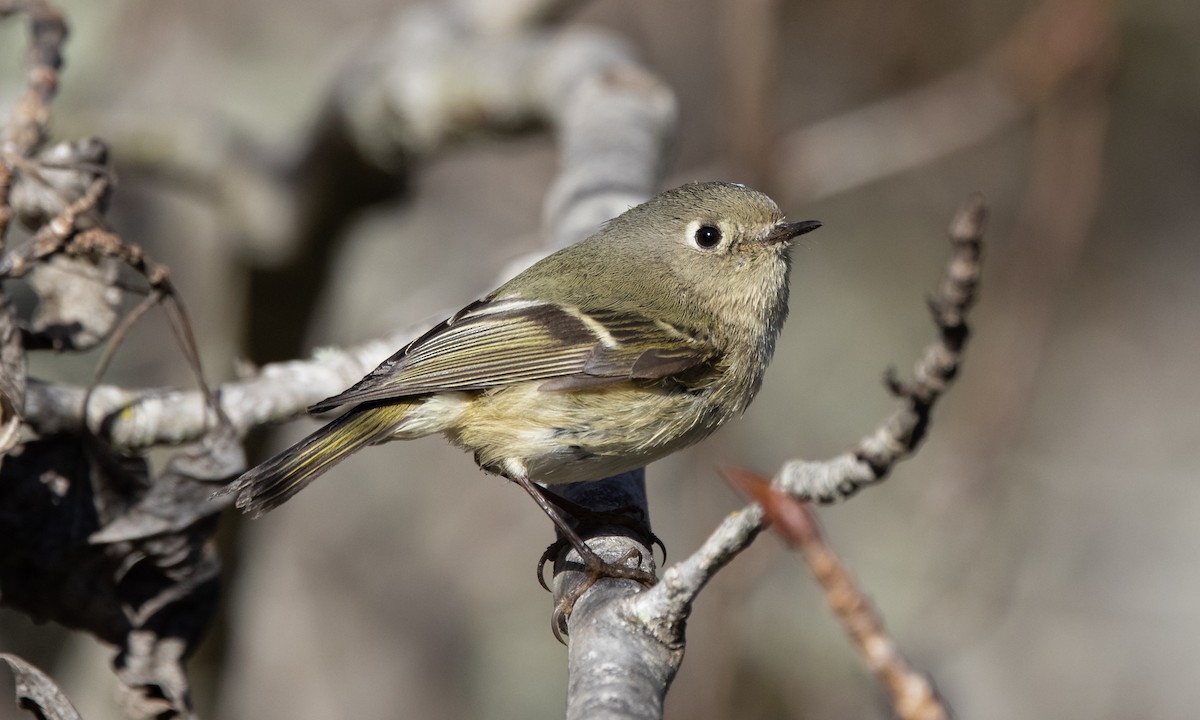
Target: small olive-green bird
{"points": [[609, 354]]}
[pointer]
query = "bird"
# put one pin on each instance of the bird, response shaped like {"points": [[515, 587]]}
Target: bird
{"points": [[625, 347]]}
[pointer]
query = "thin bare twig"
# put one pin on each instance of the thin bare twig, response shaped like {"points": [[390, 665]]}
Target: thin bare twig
{"points": [[913, 694], [27, 127], [898, 438], [20, 135], [750, 60]]}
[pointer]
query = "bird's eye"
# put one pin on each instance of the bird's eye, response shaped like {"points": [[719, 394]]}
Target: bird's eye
{"points": [[708, 237]]}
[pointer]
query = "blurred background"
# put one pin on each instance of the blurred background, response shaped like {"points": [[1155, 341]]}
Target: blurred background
{"points": [[1038, 556]]}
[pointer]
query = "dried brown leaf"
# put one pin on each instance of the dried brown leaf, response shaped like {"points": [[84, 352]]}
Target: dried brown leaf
{"points": [[787, 515], [107, 547]]}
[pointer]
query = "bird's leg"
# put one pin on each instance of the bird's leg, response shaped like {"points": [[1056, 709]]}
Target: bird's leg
{"points": [[595, 567], [630, 516]]}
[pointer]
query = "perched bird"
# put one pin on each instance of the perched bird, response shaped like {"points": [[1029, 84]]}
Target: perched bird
{"points": [[611, 353]]}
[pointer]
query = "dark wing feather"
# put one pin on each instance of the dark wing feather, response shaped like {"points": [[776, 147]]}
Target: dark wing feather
{"points": [[644, 349], [507, 341]]}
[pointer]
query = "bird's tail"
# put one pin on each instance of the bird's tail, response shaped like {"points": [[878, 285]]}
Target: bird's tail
{"points": [[269, 485]]}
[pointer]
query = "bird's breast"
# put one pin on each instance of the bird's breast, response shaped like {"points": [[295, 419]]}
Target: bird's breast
{"points": [[572, 436]]}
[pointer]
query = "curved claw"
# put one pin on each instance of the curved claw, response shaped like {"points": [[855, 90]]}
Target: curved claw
{"points": [[547, 556], [656, 540], [558, 622]]}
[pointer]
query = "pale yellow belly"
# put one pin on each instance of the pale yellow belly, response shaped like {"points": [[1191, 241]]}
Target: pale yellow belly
{"points": [[559, 437]]}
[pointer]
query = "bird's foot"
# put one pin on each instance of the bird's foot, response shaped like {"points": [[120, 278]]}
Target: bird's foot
{"points": [[594, 569]]}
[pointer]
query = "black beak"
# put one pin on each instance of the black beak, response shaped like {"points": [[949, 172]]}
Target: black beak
{"points": [[787, 231]]}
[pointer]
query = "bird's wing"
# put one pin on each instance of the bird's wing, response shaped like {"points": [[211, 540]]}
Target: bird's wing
{"points": [[505, 341]]}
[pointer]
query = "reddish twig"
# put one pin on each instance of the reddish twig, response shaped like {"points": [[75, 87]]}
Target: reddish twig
{"points": [[913, 694], [61, 235]]}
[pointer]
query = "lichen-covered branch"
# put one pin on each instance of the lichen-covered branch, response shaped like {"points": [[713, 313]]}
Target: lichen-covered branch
{"points": [[899, 436]]}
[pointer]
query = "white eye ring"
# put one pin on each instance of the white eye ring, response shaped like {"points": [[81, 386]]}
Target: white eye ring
{"points": [[705, 236]]}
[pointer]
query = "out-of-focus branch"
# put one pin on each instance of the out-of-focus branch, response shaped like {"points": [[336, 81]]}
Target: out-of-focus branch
{"points": [[1048, 48], [750, 59], [612, 120], [913, 694], [1060, 203], [664, 609], [136, 419], [1044, 249], [22, 133], [489, 17], [610, 116], [37, 693], [26, 127]]}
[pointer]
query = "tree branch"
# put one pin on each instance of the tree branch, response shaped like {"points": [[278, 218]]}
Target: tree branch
{"points": [[899, 436], [1049, 47], [27, 126], [37, 693]]}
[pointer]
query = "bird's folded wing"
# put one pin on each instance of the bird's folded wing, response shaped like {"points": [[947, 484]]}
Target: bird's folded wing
{"points": [[501, 342]]}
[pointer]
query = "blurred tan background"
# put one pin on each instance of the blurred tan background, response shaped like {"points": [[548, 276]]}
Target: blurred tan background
{"points": [[1038, 557]]}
